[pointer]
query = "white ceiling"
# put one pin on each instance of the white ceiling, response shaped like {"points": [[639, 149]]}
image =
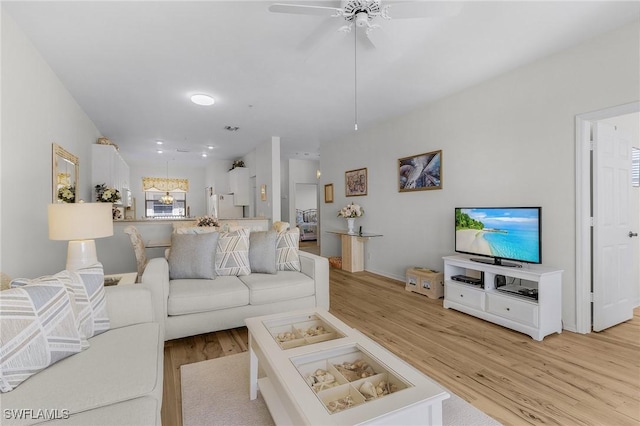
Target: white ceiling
{"points": [[133, 65]]}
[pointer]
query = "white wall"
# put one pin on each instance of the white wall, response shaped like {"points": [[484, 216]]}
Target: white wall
{"points": [[506, 142], [217, 175], [37, 110], [267, 167], [306, 196]]}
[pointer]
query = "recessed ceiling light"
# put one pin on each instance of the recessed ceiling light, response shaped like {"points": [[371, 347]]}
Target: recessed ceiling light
{"points": [[159, 142], [159, 151], [210, 146], [204, 100], [204, 155]]}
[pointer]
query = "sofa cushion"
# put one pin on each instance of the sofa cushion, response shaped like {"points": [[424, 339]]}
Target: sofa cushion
{"points": [[192, 256], [232, 256], [121, 364], [39, 328], [262, 252], [191, 296], [142, 411], [287, 258], [285, 285]]}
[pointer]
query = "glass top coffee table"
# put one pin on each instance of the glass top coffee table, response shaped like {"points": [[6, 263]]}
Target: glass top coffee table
{"points": [[317, 370]]}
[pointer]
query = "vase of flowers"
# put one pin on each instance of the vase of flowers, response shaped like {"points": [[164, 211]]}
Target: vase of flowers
{"points": [[67, 194], [207, 221], [351, 212], [107, 195]]}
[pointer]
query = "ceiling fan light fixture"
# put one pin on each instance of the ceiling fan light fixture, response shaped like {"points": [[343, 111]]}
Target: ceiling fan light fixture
{"points": [[204, 100], [362, 19]]}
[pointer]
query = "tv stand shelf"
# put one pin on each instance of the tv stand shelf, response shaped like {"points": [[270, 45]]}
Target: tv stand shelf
{"points": [[537, 318]]}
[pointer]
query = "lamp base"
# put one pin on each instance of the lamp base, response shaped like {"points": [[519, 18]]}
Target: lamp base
{"points": [[80, 254]]}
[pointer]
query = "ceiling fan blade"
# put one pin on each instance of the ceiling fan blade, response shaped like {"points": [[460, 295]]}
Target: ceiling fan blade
{"points": [[324, 34], [301, 9], [423, 9]]}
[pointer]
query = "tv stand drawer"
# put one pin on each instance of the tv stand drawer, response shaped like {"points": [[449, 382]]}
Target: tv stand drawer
{"points": [[511, 308], [465, 295]]}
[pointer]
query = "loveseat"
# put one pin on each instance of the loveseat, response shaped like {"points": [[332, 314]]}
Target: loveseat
{"points": [[116, 381], [192, 306]]}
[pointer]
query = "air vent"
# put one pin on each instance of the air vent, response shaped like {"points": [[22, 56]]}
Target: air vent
{"points": [[182, 150], [232, 128]]}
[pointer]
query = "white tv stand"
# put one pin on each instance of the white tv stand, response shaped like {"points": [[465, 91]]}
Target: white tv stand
{"points": [[537, 318]]}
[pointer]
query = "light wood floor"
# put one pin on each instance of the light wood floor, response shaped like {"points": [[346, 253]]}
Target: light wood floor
{"points": [[567, 379]]}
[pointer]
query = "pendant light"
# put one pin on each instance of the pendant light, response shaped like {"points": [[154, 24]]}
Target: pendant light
{"points": [[355, 76], [167, 198]]}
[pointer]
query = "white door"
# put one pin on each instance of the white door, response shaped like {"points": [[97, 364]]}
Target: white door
{"points": [[613, 286]]}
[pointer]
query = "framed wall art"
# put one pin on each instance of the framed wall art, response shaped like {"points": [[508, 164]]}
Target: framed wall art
{"points": [[328, 193], [420, 172], [355, 182]]}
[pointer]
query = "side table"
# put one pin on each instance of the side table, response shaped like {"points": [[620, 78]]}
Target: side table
{"points": [[353, 249], [121, 279]]}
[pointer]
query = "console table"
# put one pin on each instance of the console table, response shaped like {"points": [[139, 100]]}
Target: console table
{"points": [[289, 352], [353, 249]]}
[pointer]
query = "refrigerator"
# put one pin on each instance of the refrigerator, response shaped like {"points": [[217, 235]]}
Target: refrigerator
{"points": [[221, 206]]}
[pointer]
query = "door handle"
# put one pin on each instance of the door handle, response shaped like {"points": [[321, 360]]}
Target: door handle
{"points": [[632, 234]]}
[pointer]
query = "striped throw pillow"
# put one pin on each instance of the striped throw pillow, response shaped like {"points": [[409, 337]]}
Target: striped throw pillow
{"points": [[287, 258], [232, 255], [87, 286], [39, 328]]}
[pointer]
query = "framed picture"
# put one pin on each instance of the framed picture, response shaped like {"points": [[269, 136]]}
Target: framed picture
{"points": [[420, 172], [328, 193], [355, 182]]}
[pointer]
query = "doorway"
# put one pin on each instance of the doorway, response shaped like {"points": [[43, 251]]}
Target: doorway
{"points": [[307, 217], [590, 257]]}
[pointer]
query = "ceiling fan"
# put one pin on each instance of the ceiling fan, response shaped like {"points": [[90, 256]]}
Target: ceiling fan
{"points": [[363, 13]]}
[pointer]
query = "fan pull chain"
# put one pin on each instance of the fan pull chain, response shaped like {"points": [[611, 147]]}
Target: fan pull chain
{"points": [[355, 74]]}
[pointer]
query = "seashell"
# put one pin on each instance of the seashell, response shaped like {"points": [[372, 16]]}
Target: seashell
{"points": [[368, 390]]}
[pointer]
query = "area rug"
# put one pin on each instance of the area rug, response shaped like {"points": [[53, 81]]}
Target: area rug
{"points": [[216, 392]]}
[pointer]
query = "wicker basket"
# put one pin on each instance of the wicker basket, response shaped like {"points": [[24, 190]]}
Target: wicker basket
{"points": [[335, 262]]}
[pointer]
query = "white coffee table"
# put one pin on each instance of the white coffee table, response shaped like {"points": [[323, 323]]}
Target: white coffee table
{"points": [[285, 368]]}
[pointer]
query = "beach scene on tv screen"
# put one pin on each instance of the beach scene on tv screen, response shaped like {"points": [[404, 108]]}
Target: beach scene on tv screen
{"points": [[504, 233]]}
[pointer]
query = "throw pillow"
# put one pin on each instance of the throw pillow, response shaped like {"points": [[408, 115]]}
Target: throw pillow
{"points": [[192, 256], [262, 252], [287, 257], [281, 226], [87, 287], [39, 328], [232, 256]]}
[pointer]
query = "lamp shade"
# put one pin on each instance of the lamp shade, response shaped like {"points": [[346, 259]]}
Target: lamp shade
{"points": [[80, 221]]}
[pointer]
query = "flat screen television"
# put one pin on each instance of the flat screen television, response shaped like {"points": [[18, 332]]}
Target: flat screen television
{"points": [[499, 233]]}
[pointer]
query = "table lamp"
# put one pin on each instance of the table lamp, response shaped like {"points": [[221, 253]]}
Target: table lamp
{"points": [[80, 223]]}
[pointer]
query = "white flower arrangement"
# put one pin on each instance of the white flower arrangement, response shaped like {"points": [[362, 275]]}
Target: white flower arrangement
{"points": [[67, 193], [351, 210], [106, 194], [207, 221]]}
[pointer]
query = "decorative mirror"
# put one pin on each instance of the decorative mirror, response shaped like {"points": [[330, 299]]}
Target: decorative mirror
{"points": [[64, 175]]}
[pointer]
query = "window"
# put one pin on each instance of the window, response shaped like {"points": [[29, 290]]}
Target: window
{"points": [[156, 209], [635, 166]]}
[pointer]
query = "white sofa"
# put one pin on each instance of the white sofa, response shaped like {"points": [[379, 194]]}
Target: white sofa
{"points": [[116, 381], [195, 306]]}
